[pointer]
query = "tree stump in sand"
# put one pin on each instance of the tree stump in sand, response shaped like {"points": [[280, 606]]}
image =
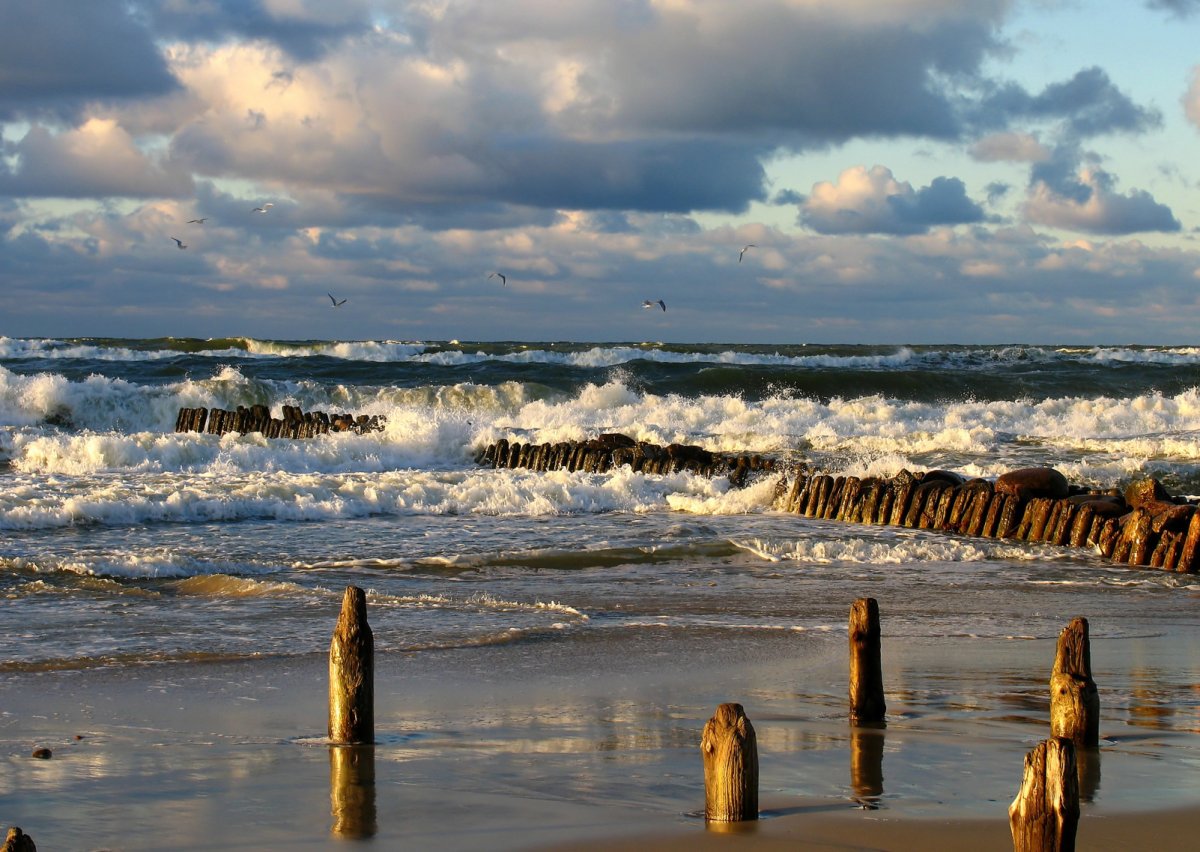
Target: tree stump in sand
{"points": [[1074, 700], [867, 705], [352, 673], [1044, 817], [730, 753]]}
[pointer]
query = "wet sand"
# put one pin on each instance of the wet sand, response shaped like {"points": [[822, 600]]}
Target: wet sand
{"points": [[517, 748]]}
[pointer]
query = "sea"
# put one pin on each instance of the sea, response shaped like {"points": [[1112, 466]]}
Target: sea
{"points": [[125, 546]]}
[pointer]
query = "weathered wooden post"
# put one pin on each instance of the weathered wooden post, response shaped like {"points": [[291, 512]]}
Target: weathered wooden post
{"points": [[730, 752], [352, 791], [867, 705], [1074, 700], [1044, 817], [352, 673], [18, 841]]}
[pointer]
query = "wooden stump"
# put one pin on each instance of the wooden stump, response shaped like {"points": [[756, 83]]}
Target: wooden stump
{"points": [[1074, 700], [18, 841], [352, 791], [352, 673], [867, 705], [1044, 817], [730, 753]]}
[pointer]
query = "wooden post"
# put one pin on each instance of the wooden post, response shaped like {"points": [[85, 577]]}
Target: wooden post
{"points": [[352, 791], [18, 841], [1074, 700], [867, 706], [730, 753], [352, 673], [1044, 817]]}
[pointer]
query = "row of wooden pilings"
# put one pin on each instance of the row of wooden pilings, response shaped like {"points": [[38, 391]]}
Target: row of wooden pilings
{"points": [[294, 423], [1043, 817], [1142, 525], [612, 450]]}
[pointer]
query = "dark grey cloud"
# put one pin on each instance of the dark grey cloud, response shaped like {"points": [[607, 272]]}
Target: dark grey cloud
{"points": [[57, 55], [1086, 105], [788, 196], [304, 32]]}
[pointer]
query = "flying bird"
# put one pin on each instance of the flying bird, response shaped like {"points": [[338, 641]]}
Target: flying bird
{"points": [[336, 303], [503, 278], [646, 303], [264, 208], [179, 242], [197, 221], [743, 251]]}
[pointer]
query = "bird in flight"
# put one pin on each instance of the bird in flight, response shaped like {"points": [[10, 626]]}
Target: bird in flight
{"points": [[743, 251], [503, 278], [646, 303], [336, 302], [179, 242], [197, 221], [264, 208]]}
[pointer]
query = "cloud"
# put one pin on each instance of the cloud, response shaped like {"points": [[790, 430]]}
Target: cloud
{"points": [[866, 202], [1179, 8], [57, 55], [1191, 100], [1010, 147], [1086, 105], [99, 159], [304, 29], [1086, 201]]}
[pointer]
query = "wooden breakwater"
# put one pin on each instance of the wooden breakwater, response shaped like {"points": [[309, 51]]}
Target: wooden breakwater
{"points": [[1142, 525], [257, 418], [612, 450]]}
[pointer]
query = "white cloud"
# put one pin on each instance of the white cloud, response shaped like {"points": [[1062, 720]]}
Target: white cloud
{"points": [[1010, 147], [872, 201], [1191, 100]]}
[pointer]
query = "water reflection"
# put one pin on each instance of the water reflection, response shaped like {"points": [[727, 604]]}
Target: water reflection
{"points": [[866, 764], [352, 791], [1087, 760]]}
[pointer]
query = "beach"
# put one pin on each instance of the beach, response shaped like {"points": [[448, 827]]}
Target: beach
{"points": [[549, 644]]}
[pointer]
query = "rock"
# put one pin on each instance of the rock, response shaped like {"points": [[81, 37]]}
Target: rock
{"points": [[943, 476], [42, 753], [18, 841], [1029, 482]]}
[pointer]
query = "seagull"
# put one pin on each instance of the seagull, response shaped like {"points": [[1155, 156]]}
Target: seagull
{"points": [[503, 278], [743, 251], [264, 208], [179, 242], [646, 303], [336, 303], [197, 221]]}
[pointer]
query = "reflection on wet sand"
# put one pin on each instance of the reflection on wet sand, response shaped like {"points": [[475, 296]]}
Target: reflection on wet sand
{"points": [[352, 790], [866, 764]]}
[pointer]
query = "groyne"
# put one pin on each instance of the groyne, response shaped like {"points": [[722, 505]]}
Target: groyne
{"points": [[1142, 525], [611, 450], [257, 418]]}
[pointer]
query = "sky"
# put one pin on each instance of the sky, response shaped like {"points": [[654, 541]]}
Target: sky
{"points": [[907, 171]]}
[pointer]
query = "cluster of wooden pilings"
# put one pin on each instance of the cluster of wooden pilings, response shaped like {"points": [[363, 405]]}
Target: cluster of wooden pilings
{"points": [[1142, 525], [1042, 818], [257, 418], [612, 450]]}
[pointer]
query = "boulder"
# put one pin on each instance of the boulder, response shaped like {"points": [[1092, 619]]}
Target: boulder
{"points": [[1146, 490], [1029, 482]]}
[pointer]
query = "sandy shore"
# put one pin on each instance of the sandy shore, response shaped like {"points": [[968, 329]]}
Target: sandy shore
{"points": [[483, 750]]}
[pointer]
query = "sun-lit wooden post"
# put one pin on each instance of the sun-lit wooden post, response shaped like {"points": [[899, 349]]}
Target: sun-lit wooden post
{"points": [[867, 705], [730, 754], [1044, 817], [1074, 700], [352, 673]]}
